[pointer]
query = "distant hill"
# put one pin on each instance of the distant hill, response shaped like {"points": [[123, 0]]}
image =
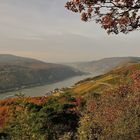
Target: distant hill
{"points": [[19, 72], [105, 64]]}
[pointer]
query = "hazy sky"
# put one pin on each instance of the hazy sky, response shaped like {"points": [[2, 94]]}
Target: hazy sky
{"points": [[44, 29]]}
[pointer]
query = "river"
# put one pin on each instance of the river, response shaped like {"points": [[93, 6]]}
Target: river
{"points": [[42, 90]]}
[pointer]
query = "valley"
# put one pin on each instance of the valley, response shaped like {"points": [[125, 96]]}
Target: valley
{"points": [[63, 78], [19, 72], [44, 89]]}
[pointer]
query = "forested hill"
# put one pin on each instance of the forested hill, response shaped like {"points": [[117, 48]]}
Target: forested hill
{"points": [[105, 64], [19, 72]]}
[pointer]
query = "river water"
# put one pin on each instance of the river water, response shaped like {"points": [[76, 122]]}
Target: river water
{"points": [[42, 90]]}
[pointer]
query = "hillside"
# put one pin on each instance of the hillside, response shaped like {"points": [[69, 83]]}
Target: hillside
{"points": [[19, 72], [104, 107], [104, 65]]}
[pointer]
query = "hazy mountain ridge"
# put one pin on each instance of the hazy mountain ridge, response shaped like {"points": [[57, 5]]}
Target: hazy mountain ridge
{"points": [[105, 64], [19, 72], [8, 59]]}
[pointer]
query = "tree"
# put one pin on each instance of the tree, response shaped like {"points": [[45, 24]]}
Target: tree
{"points": [[115, 16]]}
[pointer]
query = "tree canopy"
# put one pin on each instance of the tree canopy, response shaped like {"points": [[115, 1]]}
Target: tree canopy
{"points": [[115, 16]]}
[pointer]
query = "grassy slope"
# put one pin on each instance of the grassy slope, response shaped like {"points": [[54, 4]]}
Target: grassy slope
{"points": [[109, 80]]}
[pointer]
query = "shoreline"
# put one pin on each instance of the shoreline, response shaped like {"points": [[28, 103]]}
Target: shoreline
{"points": [[38, 84]]}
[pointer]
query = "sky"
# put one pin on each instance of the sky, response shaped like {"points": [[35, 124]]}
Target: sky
{"points": [[45, 30]]}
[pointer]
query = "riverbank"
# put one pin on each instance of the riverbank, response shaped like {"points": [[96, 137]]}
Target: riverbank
{"points": [[43, 89]]}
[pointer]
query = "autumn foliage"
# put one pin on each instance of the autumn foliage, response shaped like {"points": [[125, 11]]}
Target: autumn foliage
{"points": [[109, 112], [115, 16]]}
